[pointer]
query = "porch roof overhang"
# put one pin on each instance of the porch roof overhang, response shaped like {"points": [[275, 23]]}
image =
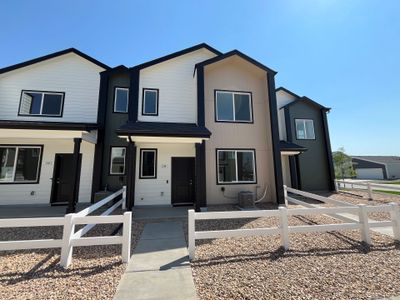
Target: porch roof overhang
{"points": [[289, 148], [163, 132], [48, 130], [14, 124]]}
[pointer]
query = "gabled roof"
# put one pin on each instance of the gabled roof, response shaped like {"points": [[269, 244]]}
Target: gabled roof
{"points": [[163, 129], [176, 54], [301, 99], [380, 159], [53, 55], [120, 68], [281, 88], [235, 53]]}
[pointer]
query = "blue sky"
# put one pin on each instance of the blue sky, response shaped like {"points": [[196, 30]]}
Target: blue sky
{"points": [[344, 54]]}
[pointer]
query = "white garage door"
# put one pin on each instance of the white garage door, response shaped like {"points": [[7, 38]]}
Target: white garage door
{"points": [[372, 173]]}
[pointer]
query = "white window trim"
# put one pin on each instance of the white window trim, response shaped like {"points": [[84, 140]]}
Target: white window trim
{"points": [[111, 161], [154, 164], [236, 166], [144, 113], [17, 147], [233, 106], [41, 103], [115, 100], [306, 134]]}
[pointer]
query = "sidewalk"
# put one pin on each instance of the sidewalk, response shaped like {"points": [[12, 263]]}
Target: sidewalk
{"points": [[159, 267]]}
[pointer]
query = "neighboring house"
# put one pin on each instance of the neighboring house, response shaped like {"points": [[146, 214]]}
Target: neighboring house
{"points": [[48, 128], [377, 167], [193, 127], [306, 151]]}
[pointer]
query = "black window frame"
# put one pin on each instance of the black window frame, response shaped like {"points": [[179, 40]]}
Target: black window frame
{"points": [[42, 115], [157, 100], [253, 150], [39, 169], [110, 162], [155, 150], [295, 129], [115, 99], [233, 121]]}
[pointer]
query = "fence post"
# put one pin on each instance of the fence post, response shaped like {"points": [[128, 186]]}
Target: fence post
{"points": [[284, 227], [126, 236], [191, 230], [369, 191], [395, 216], [336, 186], [364, 225], [285, 195], [66, 246], [124, 197]]}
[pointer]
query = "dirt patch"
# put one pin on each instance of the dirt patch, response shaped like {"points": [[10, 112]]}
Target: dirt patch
{"points": [[334, 265]]}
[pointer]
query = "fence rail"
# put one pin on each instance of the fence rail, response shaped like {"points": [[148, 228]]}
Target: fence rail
{"points": [[363, 224], [368, 186], [70, 238]]}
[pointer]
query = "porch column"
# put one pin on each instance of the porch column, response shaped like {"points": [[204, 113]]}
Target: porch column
{"points": [[200, 176], [130, 174], [77, 172]]}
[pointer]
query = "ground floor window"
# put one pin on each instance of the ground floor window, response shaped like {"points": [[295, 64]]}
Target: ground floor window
{"points": [[236, 166], [148, 163], [20, 164], [117, 161]]}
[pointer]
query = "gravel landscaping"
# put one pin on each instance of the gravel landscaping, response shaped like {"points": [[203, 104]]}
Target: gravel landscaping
{"points": [[35, 274], [360, 197], [334, 265]]}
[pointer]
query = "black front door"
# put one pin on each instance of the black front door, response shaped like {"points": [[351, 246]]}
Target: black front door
{"points": [[183, 169], [63, 179]]}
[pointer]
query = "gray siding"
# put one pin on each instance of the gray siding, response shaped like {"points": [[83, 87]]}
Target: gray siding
{"points": [[314, 173], [112, 122], [393, 170]]}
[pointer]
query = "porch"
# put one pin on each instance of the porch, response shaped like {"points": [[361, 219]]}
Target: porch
{"points": [[45, 163], [165, 164]]}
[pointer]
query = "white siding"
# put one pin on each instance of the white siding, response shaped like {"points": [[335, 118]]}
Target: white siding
{"points": [[286, 171], [158, 191], [21, 193], [177, 88], [282, 98], [70, 73]]}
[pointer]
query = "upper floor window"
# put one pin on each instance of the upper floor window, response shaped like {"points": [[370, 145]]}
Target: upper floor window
{"points": [[46, 104], [233, 107], [117, 161], [121, 99], [305, 129], [236, 166], [20, 164], [150, 102]]}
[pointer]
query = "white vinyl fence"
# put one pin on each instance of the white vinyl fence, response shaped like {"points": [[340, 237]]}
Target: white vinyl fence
{"points": [[71, 238], [284, 230], [366, 186]]}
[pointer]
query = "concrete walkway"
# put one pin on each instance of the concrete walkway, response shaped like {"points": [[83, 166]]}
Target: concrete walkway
{"points": [[159, 267]]}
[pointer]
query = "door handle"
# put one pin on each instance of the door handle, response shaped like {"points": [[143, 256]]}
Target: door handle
{"points": [[190, 182]]}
